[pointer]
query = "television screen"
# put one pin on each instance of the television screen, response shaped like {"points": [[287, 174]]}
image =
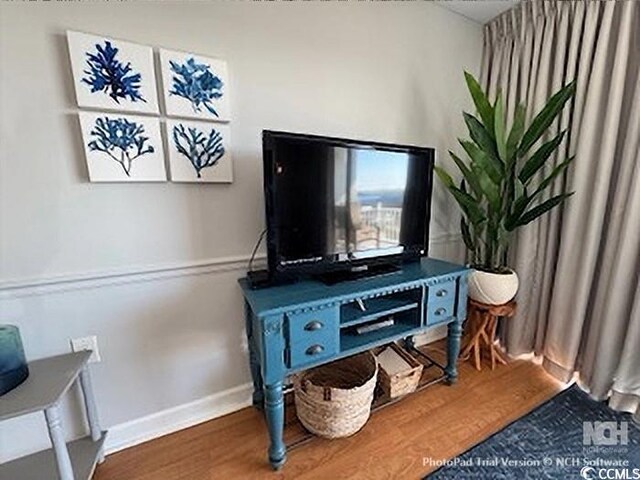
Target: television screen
{"points": [[333, 202]]}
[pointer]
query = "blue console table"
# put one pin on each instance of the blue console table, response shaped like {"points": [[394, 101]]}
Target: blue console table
{"points": [[305, 324]]}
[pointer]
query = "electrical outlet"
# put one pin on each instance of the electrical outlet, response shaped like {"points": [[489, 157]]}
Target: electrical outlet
{"points": [[87, 343]]}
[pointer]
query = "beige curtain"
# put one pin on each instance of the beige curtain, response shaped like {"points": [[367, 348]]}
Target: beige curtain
{"points": [[579, 267]]}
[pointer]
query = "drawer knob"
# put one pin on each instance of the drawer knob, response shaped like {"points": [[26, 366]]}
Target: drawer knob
{"points": [[441, 293], [440, 311], [314, 325], [314, 350]]}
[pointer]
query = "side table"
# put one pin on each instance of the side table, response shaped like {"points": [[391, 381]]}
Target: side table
{"points": [[49, 379], [483, 321]]}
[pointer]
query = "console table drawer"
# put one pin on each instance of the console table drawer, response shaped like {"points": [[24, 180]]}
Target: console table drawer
{"points": [[303, 353], [313, 335], [442, 293], [441, 302], [308, 325], [440, 311]]}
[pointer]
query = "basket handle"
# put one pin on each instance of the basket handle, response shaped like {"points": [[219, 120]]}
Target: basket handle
{"points": [[326, 394], [326, 391], [405, 374]]}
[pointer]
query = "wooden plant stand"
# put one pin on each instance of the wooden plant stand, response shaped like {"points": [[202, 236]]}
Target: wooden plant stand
{"points": [[482, 324]]}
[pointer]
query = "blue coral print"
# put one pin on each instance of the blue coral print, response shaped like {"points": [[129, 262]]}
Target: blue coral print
{"points": [[122, 140], [196, 83], [106, 73], [201, 150]]}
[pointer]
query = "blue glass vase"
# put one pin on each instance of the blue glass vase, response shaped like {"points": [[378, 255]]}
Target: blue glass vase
{"points": [[13, 364]]}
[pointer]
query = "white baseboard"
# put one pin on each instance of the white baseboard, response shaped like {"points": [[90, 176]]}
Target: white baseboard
{"points": [[161, 423]]}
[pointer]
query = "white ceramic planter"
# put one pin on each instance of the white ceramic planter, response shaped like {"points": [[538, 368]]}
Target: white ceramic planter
{"points": [[493, 288]]}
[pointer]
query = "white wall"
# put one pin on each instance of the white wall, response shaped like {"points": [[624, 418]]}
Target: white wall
{"points": [[151, 268]]}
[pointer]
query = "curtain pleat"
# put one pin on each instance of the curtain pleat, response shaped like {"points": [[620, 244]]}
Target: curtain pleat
{"points": [[610, 298], [579, 266]]}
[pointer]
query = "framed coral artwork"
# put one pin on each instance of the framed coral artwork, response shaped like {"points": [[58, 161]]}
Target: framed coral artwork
{"points": [[199, 152], [195, 86], [112, 74], [122, 148]]}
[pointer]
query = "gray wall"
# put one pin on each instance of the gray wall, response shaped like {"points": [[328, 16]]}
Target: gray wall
{"points": [[151, 268]]}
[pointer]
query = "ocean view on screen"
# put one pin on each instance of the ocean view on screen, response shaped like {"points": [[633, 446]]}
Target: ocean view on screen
{"points": [[379, 180]]}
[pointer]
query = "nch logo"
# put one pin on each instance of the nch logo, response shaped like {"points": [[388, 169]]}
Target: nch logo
{"points": [[605, 433]]}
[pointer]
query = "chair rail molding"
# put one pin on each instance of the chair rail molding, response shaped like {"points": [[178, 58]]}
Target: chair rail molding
{"points": [[95, 279]]}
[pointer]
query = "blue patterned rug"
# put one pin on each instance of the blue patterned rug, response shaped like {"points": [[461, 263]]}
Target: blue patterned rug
{"points": [[562, 439]]}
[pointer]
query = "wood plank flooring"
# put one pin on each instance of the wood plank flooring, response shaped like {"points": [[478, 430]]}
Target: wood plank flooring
{"points": [[439, 422]]}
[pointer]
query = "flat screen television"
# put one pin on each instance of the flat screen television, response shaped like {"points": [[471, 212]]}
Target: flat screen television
{"points": [[334, 204]]}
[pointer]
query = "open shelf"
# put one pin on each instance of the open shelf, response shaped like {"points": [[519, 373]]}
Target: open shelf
{"points": [[407, 322], [41, 465], [353, 341], [375, 308]]}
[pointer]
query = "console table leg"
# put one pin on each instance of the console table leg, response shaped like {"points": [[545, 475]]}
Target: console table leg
{"points": [[410, 342], [254, 365], [258, 388], [63, 462], [453, 350], [90, 406], [274, 407]]}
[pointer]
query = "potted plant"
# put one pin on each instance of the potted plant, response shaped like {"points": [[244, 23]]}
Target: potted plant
{"points": [[502, 188]]}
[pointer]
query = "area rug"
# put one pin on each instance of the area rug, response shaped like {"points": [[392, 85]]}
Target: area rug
{"points": [[569, 436]]}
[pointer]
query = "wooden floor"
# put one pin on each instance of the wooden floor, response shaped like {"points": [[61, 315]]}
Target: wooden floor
{"points": [[439, 423]]}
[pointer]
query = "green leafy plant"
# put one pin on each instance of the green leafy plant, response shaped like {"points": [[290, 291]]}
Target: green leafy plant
{"points": [[501, 188]]}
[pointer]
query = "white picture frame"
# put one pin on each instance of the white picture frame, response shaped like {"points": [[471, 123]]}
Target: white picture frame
{"points": [[122, 148], [195, 86], [131, 84], [199, 152]]}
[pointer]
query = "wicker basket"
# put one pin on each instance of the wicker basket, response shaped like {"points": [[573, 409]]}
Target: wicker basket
{"points": [[334, 400], [404, 382]]}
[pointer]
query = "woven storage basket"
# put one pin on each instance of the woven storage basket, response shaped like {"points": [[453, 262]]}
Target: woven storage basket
{"points": [[401, 383], [334, 400]]}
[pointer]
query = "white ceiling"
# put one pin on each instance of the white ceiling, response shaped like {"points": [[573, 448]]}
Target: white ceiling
{"points": [[480, 11]]}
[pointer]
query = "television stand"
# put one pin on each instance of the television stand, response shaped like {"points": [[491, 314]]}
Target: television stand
{"points": [[357, 273], [305, 324]]}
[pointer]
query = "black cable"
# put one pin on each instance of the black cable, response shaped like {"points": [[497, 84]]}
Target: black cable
{"points": [[255, 249]]}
